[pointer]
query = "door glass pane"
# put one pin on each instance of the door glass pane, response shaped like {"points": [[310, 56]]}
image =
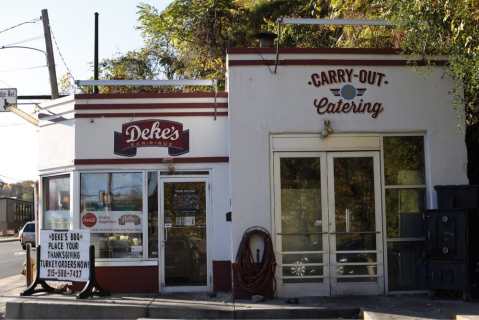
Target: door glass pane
{"points": [[185, 233], [302, 258], [355, 241], [305, 242], [301, 270], [355, 218], [404, 209], [355, 270], [152, 215], [301, 220], [356, 257], [354, 194]]}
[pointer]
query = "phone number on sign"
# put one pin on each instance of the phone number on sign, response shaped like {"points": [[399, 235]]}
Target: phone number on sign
{"points": [[63, 273]]}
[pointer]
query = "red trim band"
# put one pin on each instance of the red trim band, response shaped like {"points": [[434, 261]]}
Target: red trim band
{"points": [[149, 106], [151, 160], [152, 95], [334, 62], [315, 50], [150, 114]]}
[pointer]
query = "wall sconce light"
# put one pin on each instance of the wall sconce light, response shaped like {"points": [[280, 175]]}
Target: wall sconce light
{"points": [[327, 129]]}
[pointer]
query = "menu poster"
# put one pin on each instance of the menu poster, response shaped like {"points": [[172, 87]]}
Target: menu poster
{"points": [[186, 202]]}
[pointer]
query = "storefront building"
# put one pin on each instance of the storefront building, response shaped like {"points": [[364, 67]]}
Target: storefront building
{"points": [[335, 151]]}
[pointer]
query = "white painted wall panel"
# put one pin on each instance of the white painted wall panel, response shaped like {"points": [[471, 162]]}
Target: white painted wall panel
{"points": [[56, 145], [94, 138]]}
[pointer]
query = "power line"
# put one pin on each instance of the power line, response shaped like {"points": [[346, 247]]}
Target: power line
{"points": [[20, 24], [23, 69], [69, 72], [24, 41]]}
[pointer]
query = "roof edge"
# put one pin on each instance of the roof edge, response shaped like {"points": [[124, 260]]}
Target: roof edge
{"points": [[315, 50]]}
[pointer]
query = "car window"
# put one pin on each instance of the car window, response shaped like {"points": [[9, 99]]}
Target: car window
{"points": [[30, 227]]}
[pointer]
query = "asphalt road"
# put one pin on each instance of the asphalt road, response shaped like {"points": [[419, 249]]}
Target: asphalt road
{"points": [[12, 257]]}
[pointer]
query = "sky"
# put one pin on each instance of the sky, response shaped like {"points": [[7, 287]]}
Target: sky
{"points": [[72, 24]]}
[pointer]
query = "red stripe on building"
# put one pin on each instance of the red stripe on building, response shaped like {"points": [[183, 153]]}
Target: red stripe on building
{"points": [[151, 160], [315, 50], [128, 106], [334, 62], [150, 114], [151, 95]]}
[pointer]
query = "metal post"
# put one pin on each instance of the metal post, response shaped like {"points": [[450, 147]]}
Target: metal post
{"points": [[95, 61], [28, 265], [50, 55]]}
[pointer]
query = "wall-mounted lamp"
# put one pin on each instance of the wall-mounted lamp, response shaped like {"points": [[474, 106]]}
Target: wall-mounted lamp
{"points": [[327, 129]]}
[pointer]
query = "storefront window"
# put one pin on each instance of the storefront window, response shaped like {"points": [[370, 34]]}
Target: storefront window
{"points": [[56, 199], [111, 207], [405, 203], [404, 160]]}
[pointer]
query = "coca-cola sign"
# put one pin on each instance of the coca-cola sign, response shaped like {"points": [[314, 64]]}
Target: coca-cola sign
{"points": [[152, 133], [89, 219]]}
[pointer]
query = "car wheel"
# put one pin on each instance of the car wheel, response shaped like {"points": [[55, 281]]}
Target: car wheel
{"points": [[24, 246]]}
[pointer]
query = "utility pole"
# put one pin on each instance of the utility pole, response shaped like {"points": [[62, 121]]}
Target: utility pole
{"points": [[50, 56], [95, 60]]}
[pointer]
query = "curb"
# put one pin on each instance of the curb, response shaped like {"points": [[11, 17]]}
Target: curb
{"points": [[8, 240], [28, 308]]}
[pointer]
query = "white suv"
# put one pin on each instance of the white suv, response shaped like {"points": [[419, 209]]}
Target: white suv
{"points": [[27, 234]]}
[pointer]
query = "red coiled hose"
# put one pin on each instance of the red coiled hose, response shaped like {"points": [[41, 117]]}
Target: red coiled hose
{"points": [[252, 277]]}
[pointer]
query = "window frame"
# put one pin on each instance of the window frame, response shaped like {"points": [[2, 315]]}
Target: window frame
{"points": [[425, 187]]}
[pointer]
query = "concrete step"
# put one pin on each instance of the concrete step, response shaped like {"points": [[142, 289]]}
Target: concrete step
{"points": [[28, 308]]}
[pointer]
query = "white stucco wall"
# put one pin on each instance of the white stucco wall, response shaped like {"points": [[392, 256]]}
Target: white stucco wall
{"points": [[262, 103], [56, 140]]}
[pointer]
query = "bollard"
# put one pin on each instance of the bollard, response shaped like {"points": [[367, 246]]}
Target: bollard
{"points": [[28, 266]]}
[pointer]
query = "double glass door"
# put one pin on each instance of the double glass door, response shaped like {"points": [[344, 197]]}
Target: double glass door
{"points": [[328, 223], [183, 229]]}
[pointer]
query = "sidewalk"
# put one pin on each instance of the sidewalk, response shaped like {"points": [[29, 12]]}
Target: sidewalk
{"points": [[10, 288], [188, 306]]}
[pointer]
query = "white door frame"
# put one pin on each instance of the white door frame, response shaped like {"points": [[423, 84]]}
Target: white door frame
{"points": [[161, 234], [329, 286], [356, 288]]}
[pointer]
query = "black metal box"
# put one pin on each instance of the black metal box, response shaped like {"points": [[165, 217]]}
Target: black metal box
{"points": [[445, 275], [457, 197], [446, 234]]}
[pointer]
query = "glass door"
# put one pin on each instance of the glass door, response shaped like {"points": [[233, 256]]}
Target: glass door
{"points": [[183, 234], [355, 237], [301, 224], [328, 223]]}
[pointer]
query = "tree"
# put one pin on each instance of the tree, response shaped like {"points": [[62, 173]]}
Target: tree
{"points": [[190, 38], [450, 28]]}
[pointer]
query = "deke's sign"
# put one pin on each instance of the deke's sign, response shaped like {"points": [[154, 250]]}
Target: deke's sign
{"points": [[152, 133], [344, 96]]}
